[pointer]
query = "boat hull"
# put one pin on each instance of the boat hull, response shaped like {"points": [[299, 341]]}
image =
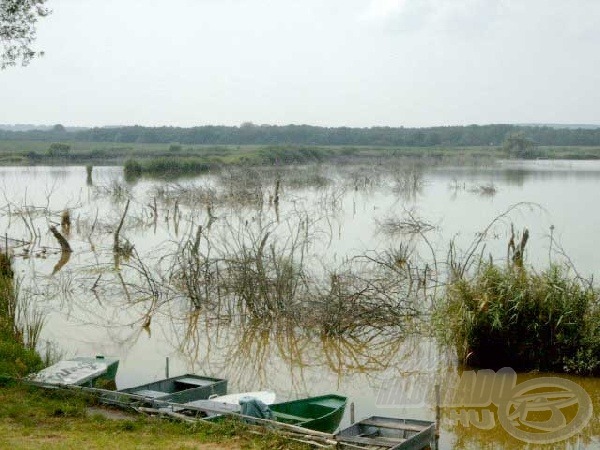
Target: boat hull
{"points": [[322, 413], [80, 371], [391, 433], [181, 389]]}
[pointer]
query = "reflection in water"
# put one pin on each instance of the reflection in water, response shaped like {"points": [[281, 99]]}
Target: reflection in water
{"points": [[344, 307], [249, 351], [64, 259]]}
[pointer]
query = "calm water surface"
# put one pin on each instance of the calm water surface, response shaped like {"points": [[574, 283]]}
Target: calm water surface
{"points": [[557, 201]]}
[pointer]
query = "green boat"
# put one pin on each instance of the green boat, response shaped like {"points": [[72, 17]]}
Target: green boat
{"points": [[322, 413], [181, 389], [80, 371]]}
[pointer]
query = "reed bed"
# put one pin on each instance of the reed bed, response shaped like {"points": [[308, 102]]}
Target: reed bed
{"points": [[500, 314], [20, 325]]}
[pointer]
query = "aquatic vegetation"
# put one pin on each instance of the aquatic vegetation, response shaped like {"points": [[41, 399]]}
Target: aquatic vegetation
{"points": [[513, 316], [20, 326], [132, 169]]}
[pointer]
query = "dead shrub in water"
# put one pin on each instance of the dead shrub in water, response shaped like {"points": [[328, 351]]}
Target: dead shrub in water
{"points": [[354, 301], [190, 194], [267, 278], [409, 224], [485, 190], [408, 181], [195, 273], [242, 187]]}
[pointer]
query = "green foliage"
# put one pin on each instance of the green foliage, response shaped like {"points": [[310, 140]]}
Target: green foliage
{"points": [[42, 418], [18, 19], [547, 321], [172, 166], [99, 153], [486, 136], [175, 148], [167, 167], [58, 149], [519, 146], [15, 358], [132, 169], [292, 155], [34, 156]]}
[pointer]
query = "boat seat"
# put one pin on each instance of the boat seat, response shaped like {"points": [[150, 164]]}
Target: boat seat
{"points": [[393, 425], [373, 440], [194, 381], [149, 393]]}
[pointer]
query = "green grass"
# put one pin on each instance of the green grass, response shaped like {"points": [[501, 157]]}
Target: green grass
{"points": [[511, 316], [15, 358], [102, 153], [32, 418], [25, 152]]}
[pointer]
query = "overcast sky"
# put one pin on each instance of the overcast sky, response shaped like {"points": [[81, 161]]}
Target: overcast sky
{"points": [[322, 62]]}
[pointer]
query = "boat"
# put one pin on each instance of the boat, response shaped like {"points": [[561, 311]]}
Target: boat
{"points": [[267, 397], [79, 371], [217, 405], [322, 413], [180, 389], [388, 433]]}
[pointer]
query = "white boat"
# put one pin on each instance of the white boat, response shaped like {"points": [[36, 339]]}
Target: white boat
{"points": [[78, 371], [267, 397]]}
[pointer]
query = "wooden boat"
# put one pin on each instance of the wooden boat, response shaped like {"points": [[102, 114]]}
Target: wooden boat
{"points": [[79, 371], [181, 389], [322, 413], [389, 433]]}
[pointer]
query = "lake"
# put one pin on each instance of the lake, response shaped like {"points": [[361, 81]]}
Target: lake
{"points": [[330, 226]]}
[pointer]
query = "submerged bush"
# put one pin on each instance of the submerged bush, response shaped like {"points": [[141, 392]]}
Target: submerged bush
{"points": [[132, 169], [167, 166], [510, 316], [174, 166]]}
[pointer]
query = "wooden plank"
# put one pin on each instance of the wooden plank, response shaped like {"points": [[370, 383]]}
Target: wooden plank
{"points": [[393, 425], [372, 440], [195, 381], [150, 393], [210, 406]]}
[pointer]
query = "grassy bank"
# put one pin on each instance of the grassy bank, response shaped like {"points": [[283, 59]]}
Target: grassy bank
{"points": [[34, 418], [102, 153], [17, 354], [512, 316]]}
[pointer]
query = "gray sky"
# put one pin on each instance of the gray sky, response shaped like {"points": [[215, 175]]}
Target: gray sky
{"points": [[322, 62]]}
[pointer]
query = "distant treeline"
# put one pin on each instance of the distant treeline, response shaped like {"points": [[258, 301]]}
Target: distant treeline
{"points": [[250, 134]]}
